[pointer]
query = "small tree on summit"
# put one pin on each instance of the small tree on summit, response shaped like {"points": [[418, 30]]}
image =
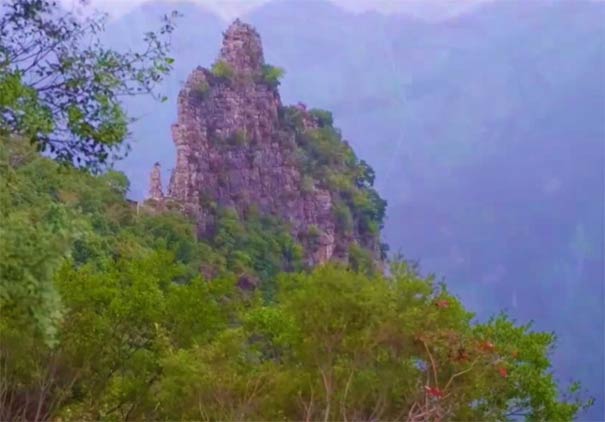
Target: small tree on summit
{"points": [[61, 88]]}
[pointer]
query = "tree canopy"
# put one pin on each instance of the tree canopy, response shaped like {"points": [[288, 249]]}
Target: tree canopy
{"points": [[60, 87], [114, 312]]}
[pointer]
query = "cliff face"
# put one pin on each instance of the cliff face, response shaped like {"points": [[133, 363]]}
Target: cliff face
{"points": [[235, 148]]}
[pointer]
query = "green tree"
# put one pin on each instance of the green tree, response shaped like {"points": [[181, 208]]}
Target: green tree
{"points": [[61, 88], [403, 348]]}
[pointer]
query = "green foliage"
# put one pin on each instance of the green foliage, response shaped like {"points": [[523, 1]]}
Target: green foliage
{"points": [[35, 234], [311, 238], [307, 184], [344, 218], [329, 162], [325, 148], [201, 89], [366, 175], [105, 317], [255, 244], [222, 70], [323, 117], [60, 87], [389, 348], [314, 231], [272, 75], [292, 118], [360, 260], [239, 138], [370, 209]]}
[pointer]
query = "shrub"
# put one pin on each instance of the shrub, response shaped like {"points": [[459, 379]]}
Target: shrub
{"points": [[360, 260], [344, 218], [292, 117], [313, 232], [365, 175], [323, 117], [339, 182], [307, 184], [271, 75], [201, 89], [238, 138], [312, 236], [223, 70]]}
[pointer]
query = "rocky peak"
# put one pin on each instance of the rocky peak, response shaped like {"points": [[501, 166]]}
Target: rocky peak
{"points": [[237, 147], [242, 49], [155, 183]]}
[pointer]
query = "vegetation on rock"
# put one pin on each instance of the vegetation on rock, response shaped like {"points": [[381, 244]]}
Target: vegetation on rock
{"points": [[222, 70], [332, 162], [272, 75]]}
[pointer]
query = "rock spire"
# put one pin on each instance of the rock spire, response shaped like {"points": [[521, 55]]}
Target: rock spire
{"points": [[235, 150], [155, 183], [242, 48]]}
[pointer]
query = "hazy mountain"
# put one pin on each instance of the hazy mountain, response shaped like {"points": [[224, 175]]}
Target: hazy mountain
{"points": [[486, 132]]}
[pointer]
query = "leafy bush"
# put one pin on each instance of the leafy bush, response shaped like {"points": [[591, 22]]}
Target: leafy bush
{"points": [[371, 209], [271, 75], [313, 231], [307, 184], [361, 260], [324, 117], [68, 100], [257, 244], [292, 117], [238, 138], [365, 175], [312, 236], [201, 89], [344, 218], [222, 70]]}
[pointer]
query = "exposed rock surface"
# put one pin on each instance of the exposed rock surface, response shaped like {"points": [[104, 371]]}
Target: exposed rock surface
{"points": [[233, 150], [155, 183]]}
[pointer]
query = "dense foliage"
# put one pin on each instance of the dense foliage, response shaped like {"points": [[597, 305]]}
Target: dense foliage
{"points": [[222, 70], [272, 75], [328, 158], [114, 311]]}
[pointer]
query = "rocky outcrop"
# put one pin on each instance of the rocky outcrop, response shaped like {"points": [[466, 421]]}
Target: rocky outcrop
{"points": [[155, 183], [233, 150]]}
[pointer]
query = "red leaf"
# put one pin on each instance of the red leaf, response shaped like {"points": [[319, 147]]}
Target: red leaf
{"points": [[462, 356], [434, 391], [487, 346], [442, 304], [503, 372]]}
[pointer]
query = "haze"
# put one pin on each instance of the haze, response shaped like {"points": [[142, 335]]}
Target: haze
{"points": [[230, 9]]}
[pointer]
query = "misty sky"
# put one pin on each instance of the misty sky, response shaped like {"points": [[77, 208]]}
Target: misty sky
{"points": [[229, 9]]}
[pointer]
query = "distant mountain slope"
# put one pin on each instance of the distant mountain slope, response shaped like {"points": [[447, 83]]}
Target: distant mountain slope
{"points": [[486, 132]]}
